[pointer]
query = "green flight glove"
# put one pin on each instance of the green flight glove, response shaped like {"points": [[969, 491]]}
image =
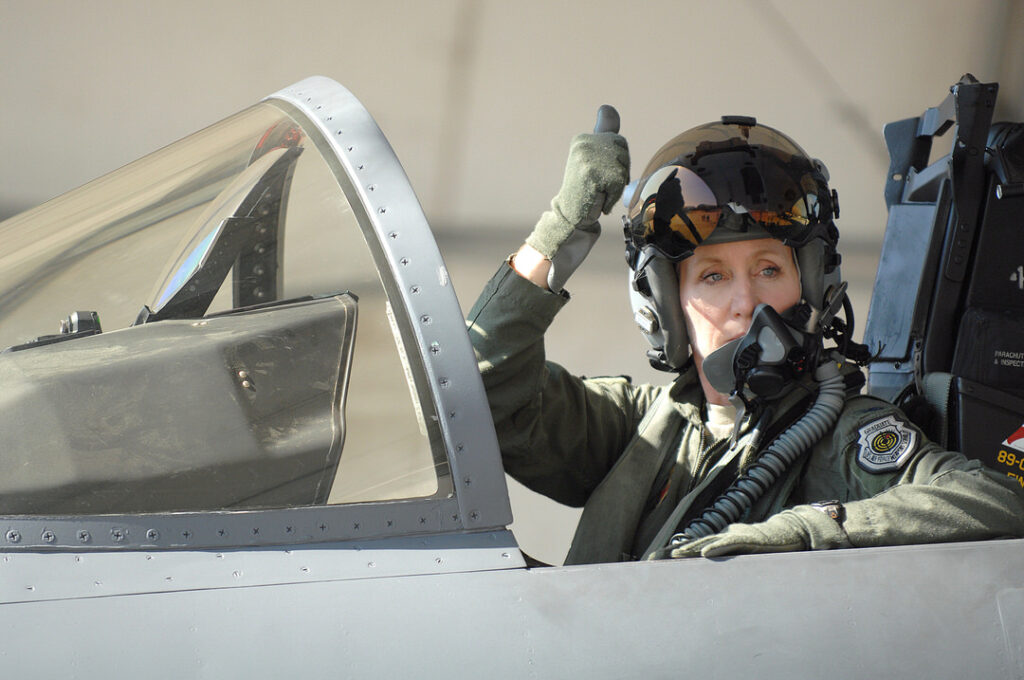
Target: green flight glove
{"points": [[798, 528], [595, 175]]}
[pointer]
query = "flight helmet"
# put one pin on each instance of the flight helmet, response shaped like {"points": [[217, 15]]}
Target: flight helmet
{"points": [[720, 182]]}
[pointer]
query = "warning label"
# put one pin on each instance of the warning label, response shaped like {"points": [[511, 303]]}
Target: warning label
{"points": [[1003, 358]]}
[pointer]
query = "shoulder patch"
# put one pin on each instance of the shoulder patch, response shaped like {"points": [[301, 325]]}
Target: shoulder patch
{"points": [[885, 444]]}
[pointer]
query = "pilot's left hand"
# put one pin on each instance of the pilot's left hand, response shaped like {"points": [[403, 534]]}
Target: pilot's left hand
{"points": [[799, 528]]}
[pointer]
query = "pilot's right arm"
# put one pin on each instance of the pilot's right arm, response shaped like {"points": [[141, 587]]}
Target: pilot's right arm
{"points": [[559, 434]]}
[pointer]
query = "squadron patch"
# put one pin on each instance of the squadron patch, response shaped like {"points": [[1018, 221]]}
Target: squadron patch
{"points": [[885, 444]]}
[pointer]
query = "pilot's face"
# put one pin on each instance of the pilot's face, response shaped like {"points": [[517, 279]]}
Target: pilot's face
{"points": [[721, 284]]}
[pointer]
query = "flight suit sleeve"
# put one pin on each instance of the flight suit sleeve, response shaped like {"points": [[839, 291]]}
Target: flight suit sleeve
{"points": [[559, 434], [897, 487]]}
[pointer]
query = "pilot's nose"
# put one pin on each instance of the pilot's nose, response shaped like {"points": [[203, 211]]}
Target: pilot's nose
{"points": [[744, 300]]}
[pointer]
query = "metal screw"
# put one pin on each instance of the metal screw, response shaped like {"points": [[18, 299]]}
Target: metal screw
{"points": [[415, 290], [14, 536], [404, 261], [444, 382], [84, 536], [48, 536], [117, 534], [426, 319], [435, 348], [474, 515], [394, 234], [153, 535]]}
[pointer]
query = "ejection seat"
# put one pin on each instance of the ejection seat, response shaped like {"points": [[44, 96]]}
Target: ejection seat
{"points": [[947, 316]]}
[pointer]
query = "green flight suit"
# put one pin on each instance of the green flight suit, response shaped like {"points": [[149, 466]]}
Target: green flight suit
{"points": [[598, 443]]}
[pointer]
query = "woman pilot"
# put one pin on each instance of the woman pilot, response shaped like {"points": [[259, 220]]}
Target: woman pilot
{"points": [[760, 443]]}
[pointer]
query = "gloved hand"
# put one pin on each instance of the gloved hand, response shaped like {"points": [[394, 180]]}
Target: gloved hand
{"points": [[595, 175], [799, 528]]}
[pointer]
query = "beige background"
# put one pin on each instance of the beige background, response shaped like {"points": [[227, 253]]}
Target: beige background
{"points": [[480, 99]]}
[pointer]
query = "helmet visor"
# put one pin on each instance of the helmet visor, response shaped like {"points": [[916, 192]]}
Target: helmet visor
{"points": [[715, 184]]}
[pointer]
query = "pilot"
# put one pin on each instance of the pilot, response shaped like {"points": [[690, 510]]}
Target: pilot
{"points": [[760, 443]]}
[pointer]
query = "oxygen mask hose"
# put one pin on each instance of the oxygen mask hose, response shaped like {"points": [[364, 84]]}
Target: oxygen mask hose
{"points": [[775, 460]]}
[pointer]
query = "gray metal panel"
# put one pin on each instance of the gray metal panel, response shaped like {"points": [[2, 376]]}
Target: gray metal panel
{"points": [[36, 577], [939, 611], [379, 184]]}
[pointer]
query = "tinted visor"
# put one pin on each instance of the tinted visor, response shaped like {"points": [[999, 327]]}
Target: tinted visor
{"points": [[719, 183]]}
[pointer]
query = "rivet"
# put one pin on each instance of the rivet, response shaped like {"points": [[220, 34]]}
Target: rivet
{"points": [[259, 249], [259, 292], [246, 384], [243, 374]]}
